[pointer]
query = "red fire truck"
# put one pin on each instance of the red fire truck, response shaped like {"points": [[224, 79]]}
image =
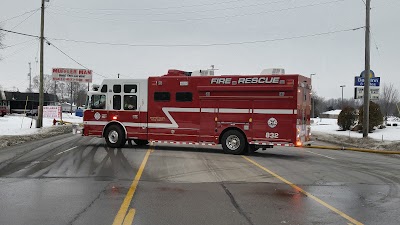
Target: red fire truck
{"points": [[240, 112]]}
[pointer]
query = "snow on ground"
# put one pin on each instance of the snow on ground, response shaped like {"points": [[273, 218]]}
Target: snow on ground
{"points": [[329, 126], [19, 124]]}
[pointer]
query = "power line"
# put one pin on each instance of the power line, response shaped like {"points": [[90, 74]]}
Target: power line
{"points": [[375, 43], [153, 8], [175, 13], [16, 44], [73, 58], [385, 3], [191, 45], [19, 33], [16, 52], [33, 13], [206, 45], [207, 18], [19, 15]]}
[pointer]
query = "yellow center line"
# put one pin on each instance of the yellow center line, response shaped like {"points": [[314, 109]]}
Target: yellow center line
{"points": [[342, 214], [119, 218], [129, 217]]}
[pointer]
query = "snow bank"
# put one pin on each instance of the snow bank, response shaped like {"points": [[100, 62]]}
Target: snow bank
{"points": [[19, 124], [329, 126]]}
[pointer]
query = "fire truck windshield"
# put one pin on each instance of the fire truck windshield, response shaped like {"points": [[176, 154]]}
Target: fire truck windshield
{"points": [[96, 102]]}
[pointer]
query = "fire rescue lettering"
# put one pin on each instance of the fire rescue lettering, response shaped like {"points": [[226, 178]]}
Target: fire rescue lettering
{"points": [[221, 81], [246, 80]]}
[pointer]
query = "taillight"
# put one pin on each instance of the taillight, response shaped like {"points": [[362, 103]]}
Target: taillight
{"points": [[114, 117]]}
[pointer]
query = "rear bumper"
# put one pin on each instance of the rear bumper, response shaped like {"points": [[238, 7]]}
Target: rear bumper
{"points": [[262, 143]]}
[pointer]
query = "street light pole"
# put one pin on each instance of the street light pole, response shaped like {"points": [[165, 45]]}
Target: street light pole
{"points": [[342, 86], [312, 97]]}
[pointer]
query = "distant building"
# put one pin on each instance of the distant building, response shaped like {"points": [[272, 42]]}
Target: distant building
{"points": [[333, 114], [19, 101], [66, 107]]}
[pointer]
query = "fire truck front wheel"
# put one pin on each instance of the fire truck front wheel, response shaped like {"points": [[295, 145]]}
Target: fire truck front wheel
{"points": [[115, 137], [233, 142]]}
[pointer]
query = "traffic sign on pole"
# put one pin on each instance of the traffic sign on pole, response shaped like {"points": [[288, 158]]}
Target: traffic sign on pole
{"points": [[373, 93], [373, 82]]}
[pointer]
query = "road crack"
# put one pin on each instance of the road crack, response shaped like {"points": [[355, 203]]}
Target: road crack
{"points": [[90, 205], [236, 205]]}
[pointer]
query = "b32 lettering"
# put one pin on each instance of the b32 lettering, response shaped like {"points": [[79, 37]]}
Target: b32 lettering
{"points": [[272, 135]]}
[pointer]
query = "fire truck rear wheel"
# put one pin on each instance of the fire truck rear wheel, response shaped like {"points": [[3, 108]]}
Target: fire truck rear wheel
{"points": [[233, 142], [115, 137], [141, 142]]}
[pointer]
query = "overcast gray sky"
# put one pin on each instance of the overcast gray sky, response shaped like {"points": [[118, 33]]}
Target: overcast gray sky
{"points": [[336, 57]]}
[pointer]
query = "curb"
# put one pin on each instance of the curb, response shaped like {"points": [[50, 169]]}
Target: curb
{"points": [[354, 149]]}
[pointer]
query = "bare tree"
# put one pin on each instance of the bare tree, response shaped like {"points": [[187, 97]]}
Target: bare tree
{"points": [[322, 105], [351, 102], [319, 104], [388, 99], [48, 84], [79, 92]]}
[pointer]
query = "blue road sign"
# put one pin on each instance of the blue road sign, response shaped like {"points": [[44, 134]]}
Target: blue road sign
{"points": [[373, 82]]}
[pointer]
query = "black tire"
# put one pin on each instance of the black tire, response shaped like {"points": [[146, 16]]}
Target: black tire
{"points": [[233, 142], [115, 136], [140, 142]]}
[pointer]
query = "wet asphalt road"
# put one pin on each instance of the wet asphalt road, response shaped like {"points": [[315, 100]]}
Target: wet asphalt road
{"points": [[78, 180]]}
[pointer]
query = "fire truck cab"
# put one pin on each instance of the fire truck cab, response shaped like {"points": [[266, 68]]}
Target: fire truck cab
{"points": [[240, 112]]}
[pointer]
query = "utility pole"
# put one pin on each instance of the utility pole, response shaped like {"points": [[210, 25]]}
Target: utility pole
{"points": [[30, 78], [39, 122], [367, 70], [71, 96], [312, 97], [55, 91]]}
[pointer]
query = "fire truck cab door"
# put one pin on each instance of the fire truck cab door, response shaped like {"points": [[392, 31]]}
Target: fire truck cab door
{"points": [[129, 108]]}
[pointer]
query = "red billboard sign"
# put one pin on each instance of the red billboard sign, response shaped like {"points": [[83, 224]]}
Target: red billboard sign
{"points": [[72, 75]]}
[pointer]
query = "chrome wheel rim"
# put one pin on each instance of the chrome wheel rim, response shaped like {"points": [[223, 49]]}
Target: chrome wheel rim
{"points": [[113, 136], [233, 142]]}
